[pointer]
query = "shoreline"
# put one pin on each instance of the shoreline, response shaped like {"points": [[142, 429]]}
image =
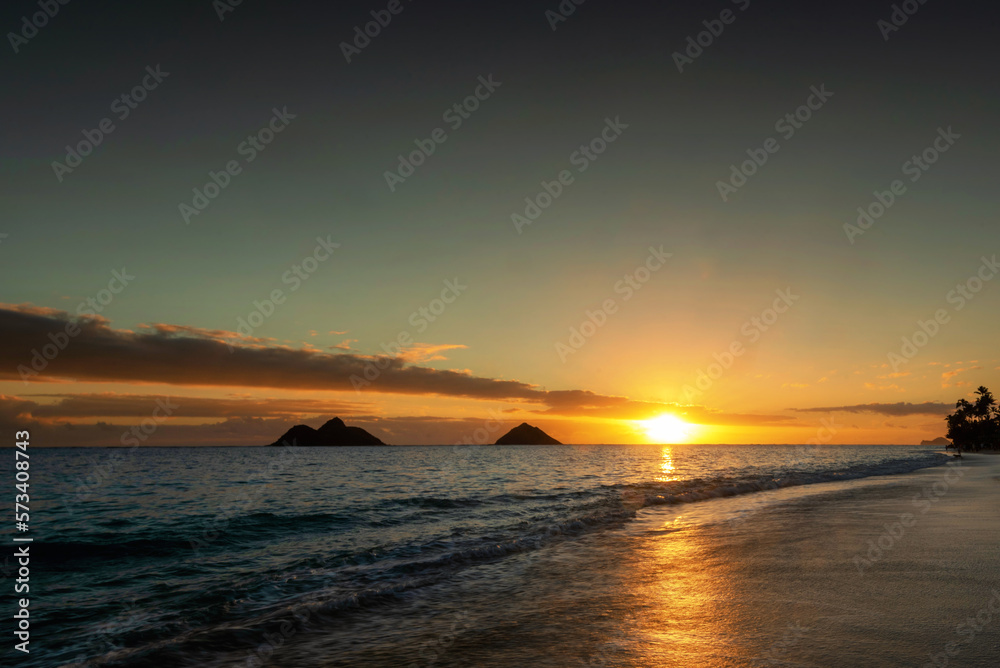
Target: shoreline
{"points": [[899, 571]]}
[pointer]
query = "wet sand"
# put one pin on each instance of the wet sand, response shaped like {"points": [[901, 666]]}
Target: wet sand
{"points": [[898, 571]]}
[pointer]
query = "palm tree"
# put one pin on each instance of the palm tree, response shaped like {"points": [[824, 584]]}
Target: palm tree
{"points": [[974, 426]]}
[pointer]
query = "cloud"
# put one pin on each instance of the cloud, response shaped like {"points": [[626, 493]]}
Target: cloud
{"points": [[898, 409], [62, 423], [231, 431], [948, 375], [115, 405], [344, 345], [882, 388], [427, 352], [191, 356], [402, 430]]}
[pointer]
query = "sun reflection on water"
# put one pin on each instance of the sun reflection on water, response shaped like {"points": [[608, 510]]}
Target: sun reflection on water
{"points": [[668, 471], [683, 597]]}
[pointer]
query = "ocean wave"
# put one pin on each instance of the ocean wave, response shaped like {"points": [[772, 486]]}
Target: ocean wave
{"points": [[199, 533], [641, 495], [433, 502], [223, 642], [53, 553]]}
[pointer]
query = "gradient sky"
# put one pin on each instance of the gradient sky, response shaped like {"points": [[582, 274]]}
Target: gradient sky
{"points": [[493, 351]]}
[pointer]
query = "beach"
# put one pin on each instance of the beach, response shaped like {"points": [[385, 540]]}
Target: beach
{"points": [[901, 571], [798, 584]]}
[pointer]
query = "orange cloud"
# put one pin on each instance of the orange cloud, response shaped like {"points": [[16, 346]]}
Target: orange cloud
{"points": [[427, 352], [111, 404], [948, 375]]}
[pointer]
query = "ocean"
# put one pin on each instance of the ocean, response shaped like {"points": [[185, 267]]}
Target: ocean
{"points": [[411, 556]]}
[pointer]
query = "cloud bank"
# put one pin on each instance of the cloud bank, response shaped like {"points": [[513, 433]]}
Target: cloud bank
{"points": [[44, 344], [898, 409]]}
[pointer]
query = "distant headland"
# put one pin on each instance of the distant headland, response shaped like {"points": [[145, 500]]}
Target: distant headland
{"points": [[525, 434], [940, 440], [333, 433]]}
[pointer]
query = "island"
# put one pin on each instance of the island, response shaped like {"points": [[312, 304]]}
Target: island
{"points": [[333, 433], [940, 440], [525, 434]]}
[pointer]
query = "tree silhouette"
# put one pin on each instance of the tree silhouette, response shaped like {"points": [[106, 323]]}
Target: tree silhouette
{"points": [[975, 425]]}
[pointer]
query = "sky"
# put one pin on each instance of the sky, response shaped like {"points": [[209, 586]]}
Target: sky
{"points": [[773, 221]]}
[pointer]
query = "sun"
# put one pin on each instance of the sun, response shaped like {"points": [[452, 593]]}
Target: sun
{"points": [[667, 429]]}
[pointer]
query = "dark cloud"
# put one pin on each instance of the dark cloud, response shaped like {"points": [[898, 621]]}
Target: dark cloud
{"points": [[232, 431], [192, 356], [897, 409], [112, 405], [89, 349]]}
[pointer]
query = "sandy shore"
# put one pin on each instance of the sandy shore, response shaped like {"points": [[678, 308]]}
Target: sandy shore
{"points": [[895, 571]]}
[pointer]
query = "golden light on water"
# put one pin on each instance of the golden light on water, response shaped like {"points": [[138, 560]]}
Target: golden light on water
{"points": [[668, 472], [681, 595], [667, 429]]}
